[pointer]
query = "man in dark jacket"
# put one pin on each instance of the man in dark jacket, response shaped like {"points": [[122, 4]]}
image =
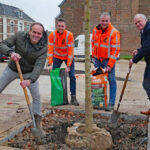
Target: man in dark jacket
{"points": [[144, 26], [30, 50]]}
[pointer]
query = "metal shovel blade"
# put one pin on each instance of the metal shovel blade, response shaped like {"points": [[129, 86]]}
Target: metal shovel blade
{"points": [[115, 114], [114, 117], [36, 132]]}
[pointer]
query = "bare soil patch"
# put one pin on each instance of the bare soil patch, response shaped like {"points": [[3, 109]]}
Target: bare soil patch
{"points": [[128, 135]]}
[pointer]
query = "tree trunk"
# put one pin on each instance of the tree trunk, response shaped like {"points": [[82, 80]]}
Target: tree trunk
{"points": [[88, 104]]}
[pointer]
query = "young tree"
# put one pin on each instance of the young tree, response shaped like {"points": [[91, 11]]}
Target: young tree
{"points": [[88, 104], [79, 135]]}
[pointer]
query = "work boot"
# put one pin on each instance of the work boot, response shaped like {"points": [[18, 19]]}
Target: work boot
{"points": [[65, 102], [38, 121], [65, 99], [110, 107], [146, 112], [74, 100]]}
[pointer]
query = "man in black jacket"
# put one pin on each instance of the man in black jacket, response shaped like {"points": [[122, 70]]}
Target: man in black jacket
{"points": [[144, 51], [30, 50]]}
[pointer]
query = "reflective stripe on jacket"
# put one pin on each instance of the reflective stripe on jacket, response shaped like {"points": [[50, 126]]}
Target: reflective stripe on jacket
{"points": [[106, 45], [61, 46]]}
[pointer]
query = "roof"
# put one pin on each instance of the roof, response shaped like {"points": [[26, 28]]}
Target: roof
{"points": [[13, 12], [61, 3]]}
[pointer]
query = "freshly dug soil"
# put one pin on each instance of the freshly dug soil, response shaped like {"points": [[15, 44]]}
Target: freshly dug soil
{"points": [[128, 135]]}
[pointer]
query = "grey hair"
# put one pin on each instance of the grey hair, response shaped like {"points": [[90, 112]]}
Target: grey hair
{"points": [[105, 14], [141, 16], [37, 23]]}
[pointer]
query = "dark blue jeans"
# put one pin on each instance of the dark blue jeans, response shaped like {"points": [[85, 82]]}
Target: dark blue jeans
{"points": [[111, 79], [146, 85], [57, 64]]}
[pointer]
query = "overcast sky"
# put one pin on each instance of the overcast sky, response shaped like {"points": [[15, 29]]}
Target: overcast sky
{"points": [[43, 11]]}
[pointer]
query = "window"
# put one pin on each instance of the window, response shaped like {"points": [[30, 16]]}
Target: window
{"points": [[20, 27], [28, 27], [20, 13], [11, 27], [76, 43]]}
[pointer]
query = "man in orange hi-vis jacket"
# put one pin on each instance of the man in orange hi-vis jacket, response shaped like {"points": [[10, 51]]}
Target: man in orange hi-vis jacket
{"points": [[105, 51], [60, 48]]}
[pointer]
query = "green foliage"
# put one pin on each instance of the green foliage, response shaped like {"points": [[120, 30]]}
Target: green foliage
{"points": [[127, 57]]}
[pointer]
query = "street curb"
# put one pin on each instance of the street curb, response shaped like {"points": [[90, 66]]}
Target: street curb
{"points": [[17, 131], [124, 116], [12, 134]]}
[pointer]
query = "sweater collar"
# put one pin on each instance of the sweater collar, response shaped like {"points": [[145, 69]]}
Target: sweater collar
{"points": [[147, 27]]}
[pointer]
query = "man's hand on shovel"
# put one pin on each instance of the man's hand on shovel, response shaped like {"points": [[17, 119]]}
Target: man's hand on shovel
{"points": [[15, 56], [130, 63], [25, 83]]}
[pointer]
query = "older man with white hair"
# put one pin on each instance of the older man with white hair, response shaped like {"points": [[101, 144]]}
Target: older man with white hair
{"points": [[143, 25]]}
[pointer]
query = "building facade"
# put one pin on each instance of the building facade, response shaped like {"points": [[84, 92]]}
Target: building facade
{"points": [[13, 19], [122, 14]]}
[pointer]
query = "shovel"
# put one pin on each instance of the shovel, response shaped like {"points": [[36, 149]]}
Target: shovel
{"points": [[35, 131], [116, 114]]}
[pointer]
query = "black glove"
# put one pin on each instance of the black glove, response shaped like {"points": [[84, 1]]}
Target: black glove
{"points": [[98, 71]]}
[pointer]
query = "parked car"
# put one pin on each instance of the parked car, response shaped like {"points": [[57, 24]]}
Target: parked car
{"points": [[3, 57]]}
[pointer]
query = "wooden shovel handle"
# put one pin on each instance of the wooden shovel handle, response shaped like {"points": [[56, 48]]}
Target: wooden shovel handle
{"points": [[123, 89], [21, 79]]}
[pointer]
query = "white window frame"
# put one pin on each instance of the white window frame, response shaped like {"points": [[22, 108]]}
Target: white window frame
{"points": [[12, 25], [20, 22], [28, 27]]}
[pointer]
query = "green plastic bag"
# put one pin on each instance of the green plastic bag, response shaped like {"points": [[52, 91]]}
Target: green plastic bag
{"points": [[56, 88]]}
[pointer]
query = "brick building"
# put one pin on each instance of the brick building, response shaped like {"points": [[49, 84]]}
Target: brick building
{"points": [[13, 19], [122, 14]]}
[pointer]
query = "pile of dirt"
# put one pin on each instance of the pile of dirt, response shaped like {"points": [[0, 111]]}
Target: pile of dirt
{"points": [[128, 135]]}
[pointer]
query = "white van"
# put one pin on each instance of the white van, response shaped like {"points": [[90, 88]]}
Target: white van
{"points": [[79, 46]]}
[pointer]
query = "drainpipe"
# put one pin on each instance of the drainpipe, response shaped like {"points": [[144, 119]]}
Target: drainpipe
{"points": [[4, 27]]}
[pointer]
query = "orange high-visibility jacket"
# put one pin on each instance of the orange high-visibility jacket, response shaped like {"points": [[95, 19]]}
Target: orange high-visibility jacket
{"points": [[61, 46], [106, 45]]}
